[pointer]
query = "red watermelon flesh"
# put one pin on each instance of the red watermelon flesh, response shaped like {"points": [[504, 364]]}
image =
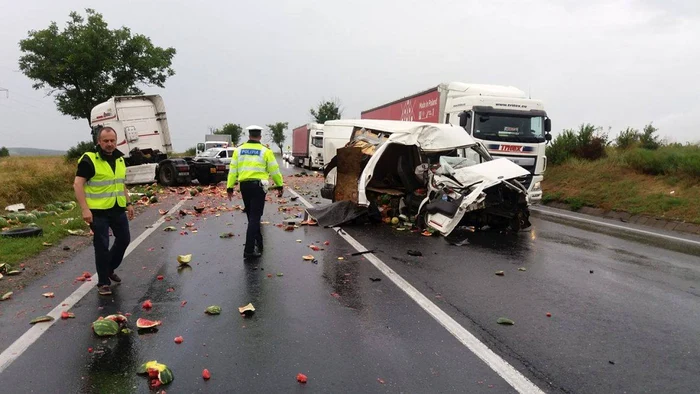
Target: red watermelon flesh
{"points": [[145, 323]]}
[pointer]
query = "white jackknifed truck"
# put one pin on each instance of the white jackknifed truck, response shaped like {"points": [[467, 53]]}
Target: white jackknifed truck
{"points": [[143, 137], [503, 119]]}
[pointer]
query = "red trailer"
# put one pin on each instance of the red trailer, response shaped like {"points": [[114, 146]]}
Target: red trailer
{"points": [[420, 107], [300, 142]]}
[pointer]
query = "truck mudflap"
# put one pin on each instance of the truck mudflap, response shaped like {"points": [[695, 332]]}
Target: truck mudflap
{"points": [[328, 191]]}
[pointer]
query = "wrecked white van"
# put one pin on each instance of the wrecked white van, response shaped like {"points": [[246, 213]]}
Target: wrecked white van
{"points": [[436, 173]]}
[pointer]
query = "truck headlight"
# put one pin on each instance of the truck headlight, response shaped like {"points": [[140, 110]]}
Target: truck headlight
{"points": [[537, 187]]}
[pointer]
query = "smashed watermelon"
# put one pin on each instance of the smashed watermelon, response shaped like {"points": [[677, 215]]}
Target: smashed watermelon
{"points": [[145, 323]]}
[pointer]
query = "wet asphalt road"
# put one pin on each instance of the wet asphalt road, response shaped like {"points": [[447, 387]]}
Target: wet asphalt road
{"points": [[629, 326]]}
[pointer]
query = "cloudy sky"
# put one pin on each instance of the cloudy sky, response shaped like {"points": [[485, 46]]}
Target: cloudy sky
{"points": [[610, 63]]}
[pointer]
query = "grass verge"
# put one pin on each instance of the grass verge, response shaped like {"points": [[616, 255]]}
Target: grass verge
{"points": [[37, 182], [611, 184], [16, 250]]}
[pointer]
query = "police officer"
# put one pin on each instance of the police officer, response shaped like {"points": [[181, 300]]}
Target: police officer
{"points": [[251, 165], [102, 195]]}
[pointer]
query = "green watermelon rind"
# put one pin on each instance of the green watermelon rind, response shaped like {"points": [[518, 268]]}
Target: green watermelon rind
{"points": [[105, 327], [165, 376]]}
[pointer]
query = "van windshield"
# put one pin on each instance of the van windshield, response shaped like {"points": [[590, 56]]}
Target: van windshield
{"points": [[509, 127]]}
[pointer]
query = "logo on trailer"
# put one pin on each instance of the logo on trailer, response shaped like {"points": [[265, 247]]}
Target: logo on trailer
{"points": [[510, 148], [407, 111]]}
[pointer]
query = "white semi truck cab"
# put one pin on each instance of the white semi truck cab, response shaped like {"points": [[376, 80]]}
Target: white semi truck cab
{"points": [[307, 146], [316, 148], [509, 125], [143, 137]]}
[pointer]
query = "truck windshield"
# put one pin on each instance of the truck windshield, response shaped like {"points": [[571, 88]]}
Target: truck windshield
{"points": [[509, 127], [317, 142]]}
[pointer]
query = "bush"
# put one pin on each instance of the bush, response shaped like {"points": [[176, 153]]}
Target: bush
{"points": [[191, 151], [74, 153], [591, 142], [562, 147], [648, 139], [588, 143], [628, 138]]}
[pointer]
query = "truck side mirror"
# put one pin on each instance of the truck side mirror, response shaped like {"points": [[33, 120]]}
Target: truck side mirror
{"points": [[548, 125], [94, 131], [464, 117], [548, 137]]}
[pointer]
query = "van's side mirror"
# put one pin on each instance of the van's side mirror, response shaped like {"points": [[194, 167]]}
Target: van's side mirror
{"points": [[464, 118], [548, 137], [548, 125]]}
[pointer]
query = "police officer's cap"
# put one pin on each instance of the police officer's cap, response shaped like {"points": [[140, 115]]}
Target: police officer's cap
{"points": [[254, 131]]}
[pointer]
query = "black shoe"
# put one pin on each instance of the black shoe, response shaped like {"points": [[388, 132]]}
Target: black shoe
{"points": [[104, 290], [253, 255], [115, 278]]}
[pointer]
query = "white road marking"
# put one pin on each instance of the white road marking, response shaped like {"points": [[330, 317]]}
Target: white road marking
{"points": [[615, 226], [28, 338], [506, 371]]}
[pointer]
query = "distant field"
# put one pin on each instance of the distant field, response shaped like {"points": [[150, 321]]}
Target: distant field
{"points": [[35, 181], [35, 152]]}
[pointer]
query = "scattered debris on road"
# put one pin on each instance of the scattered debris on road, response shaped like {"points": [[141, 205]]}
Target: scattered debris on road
{"points": [[41, 319], [505, 321], [213, 310], [247, 310]]}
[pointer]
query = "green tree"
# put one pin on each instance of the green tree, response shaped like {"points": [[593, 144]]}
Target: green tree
{"points": [[234, 130], [648, 139], [191, 151], [4, 152], [75, 152], [87, 63], [327, 110], [277, 134]]}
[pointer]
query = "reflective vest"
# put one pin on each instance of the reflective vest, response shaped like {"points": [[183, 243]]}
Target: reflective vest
{"points": [[107, 186], [253, 162]]}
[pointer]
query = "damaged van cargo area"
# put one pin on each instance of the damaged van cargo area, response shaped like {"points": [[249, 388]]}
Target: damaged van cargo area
{"points": [[435, 176]]}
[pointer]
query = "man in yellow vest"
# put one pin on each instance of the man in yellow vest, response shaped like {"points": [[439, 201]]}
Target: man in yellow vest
{"points": [[252, 165], [102, 195]]}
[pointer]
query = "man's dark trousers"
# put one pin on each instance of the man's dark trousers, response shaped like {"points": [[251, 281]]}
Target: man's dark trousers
{"points": [[107, 260], [254, 202]]}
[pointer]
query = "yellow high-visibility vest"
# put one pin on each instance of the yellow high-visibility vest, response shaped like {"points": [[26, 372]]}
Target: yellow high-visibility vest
{"points": [[253, 162], [107, 186]]}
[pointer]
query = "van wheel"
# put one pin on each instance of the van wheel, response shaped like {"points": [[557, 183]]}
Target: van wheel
{"points": [[167, 176]]}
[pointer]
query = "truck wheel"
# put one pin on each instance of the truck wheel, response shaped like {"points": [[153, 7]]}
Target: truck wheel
{"points": [[204, 180], [167, 176], [23, 232]]}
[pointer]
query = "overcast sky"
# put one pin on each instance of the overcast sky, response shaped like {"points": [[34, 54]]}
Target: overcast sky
{"points": [[610, 63]]}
